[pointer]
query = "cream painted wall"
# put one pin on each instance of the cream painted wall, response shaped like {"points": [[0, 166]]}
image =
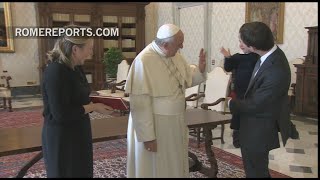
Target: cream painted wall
{"points": [[150, 25], [23, 64], [226, 21], [227, 18], [157, 14]]}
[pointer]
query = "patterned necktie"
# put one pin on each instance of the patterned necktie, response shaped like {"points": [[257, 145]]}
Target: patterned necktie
{"points": [[255, 70]]}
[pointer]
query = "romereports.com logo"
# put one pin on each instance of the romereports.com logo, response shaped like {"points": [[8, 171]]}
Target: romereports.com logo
{"points": [[60, 31]]}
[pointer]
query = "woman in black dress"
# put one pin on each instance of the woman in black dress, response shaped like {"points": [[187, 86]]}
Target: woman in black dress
{"points": [[66, 133]]}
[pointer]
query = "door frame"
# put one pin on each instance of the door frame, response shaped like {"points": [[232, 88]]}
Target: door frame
{"points": [[207, 25]]}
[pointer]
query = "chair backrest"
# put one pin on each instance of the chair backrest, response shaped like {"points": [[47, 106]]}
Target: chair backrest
{"points": [[217, 84], [5, 88], [5, 79], [123, 69], [294, 69], [192, 90]]}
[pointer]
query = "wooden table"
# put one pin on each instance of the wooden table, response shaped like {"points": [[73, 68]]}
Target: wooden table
{"points": [[208, 120], [28, 139]]}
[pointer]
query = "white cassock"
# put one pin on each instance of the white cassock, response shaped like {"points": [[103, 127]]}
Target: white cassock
{"points": [[157, 105]]}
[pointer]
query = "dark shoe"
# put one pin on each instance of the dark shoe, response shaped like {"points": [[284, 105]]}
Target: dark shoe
{"points": [[236, 144], [294, 132]]}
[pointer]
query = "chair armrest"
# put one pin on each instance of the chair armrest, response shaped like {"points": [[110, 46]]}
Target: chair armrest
{"points": [[110, 81], [121, 83], [206, 105], [120, 89], [188, 98], [195, 96], [113, 86]]}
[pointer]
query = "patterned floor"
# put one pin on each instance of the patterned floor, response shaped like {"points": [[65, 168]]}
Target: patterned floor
{"points": [[110, 157], [299, 159]]}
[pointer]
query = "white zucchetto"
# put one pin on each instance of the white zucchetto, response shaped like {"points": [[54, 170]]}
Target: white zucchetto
{"points": [[167, 30]]}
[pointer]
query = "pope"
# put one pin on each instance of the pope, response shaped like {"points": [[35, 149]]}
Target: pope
{"points": [[157, 135]]}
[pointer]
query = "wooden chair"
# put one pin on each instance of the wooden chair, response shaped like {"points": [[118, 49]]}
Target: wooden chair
{"points": [[193, 104], [196, 132], [116, 88], [122, 73], [217, 88], [192, 90], [5, 92], [292, 88]]}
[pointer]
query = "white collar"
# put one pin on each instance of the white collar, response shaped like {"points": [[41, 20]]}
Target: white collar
{"points": [[158, 49], [264, 57]]}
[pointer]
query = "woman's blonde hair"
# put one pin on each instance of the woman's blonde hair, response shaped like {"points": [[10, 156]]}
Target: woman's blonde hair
{"points": [[62, 49]]}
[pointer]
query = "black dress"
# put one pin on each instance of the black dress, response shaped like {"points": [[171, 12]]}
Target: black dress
{"points": [[66, 133]]}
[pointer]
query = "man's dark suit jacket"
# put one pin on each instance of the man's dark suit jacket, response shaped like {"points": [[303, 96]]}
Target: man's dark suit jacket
{"points": [[265, 109]]}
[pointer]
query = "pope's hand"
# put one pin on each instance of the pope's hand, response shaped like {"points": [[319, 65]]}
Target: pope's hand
{"points": [[151, 145], [202, 61]]}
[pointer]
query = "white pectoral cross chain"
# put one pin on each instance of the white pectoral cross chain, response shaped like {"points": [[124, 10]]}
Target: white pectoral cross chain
{"points": [[175, 72]]}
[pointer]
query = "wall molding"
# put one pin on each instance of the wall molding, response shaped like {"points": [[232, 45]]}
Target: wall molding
{"points": [[25, 90]]}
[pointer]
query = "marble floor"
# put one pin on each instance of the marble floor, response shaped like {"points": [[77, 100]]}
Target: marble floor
{"points": [[299, 159]]}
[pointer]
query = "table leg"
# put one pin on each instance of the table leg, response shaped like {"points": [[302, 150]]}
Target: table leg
{"points": [[213, 170]]}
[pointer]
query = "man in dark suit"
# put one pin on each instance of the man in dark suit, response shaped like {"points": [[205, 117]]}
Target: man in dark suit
{"points": [[264, 111]]}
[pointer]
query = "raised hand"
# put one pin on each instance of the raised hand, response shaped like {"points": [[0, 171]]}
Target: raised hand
{"points": [[225, 52], [202, 61]]}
